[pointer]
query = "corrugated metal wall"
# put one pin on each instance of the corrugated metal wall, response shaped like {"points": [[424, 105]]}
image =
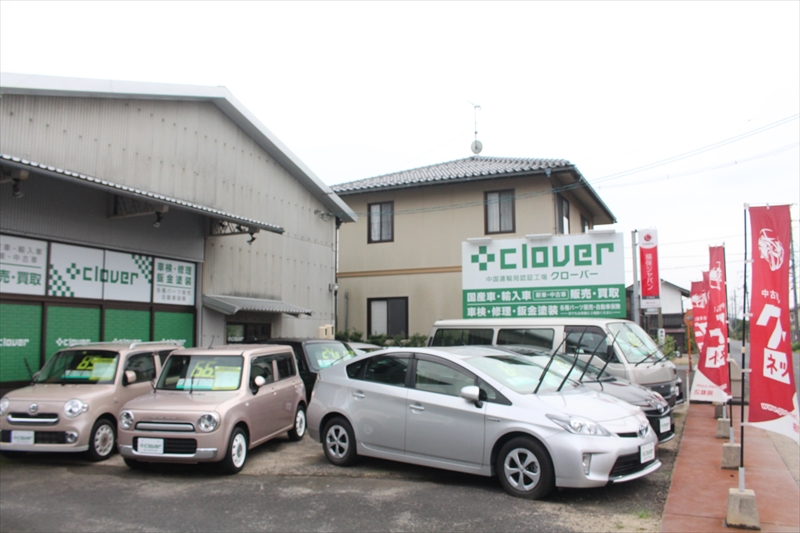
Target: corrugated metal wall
{"points": [[192, 151]]}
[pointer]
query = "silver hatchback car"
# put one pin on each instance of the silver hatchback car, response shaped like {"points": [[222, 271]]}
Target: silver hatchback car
{"points": [[481, 411]]}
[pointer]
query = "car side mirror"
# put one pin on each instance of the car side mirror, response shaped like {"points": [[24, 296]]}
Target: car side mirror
{"points": [[260, 381], [130, 377], [472, 393]]}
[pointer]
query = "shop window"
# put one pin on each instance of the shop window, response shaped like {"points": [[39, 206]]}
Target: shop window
{"points": [[247, 333]]}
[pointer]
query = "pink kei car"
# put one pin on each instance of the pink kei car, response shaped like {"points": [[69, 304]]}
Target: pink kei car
{"points": [[213, 405]]}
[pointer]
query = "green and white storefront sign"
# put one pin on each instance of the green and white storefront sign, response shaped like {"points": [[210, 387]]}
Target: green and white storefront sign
{"points": [[174, 283], [126, 325], [68, 325], [23, 264], [544, 276], [79, 272], [176, 327], [20, 340]]}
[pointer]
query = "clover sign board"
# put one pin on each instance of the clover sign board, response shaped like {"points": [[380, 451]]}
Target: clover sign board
{"points": [[579, 275]]}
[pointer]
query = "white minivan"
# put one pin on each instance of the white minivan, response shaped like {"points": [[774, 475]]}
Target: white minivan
{"points": [[624, 348]]}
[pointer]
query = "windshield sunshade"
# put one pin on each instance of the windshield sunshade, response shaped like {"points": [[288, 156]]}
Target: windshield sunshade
{"points": [[202, 373], [80, 366]]}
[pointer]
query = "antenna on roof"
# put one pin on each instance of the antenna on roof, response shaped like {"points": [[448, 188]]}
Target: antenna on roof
{"points": [[476, 146]]}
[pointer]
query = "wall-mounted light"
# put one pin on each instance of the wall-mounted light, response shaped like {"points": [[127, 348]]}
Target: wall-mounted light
{"points": [[16, 192], [159, 218], [479, 240], [538, 236], [602, 231], [252, 238]]}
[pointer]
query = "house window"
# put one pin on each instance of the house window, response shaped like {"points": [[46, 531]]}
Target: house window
{"points": [[381, 222], [499, 217], [387, 316], [562, 212], [585, 226]]}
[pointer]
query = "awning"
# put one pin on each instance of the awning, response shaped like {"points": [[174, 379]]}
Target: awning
{"points": [[124, 190], [230, 305]]}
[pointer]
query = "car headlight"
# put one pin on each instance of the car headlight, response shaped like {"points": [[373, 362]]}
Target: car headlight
{"points": [[580, 426], [4, 406], [126, 420], [208, 422], [74, 407]]}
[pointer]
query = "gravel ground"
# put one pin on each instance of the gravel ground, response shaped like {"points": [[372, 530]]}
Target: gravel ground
{"points": [[394, 496]]}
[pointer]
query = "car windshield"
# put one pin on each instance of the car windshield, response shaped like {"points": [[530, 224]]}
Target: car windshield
{"points": [[519, 373], [562, 363], [202, 373], [80, 366], [634, 343], [325, 354]]}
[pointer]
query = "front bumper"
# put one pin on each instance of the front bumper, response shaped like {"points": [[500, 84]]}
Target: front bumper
{"points": [[613, 459], [199, 455], [46, 433]]}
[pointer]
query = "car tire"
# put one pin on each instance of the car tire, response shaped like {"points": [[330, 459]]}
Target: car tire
{"points": [[525, 469], [237, 452], [133, 464], [299, 429], [102, 440], [339, 442]]}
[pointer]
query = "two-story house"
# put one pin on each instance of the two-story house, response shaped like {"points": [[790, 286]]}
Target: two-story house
{"points": [[400, 264]]}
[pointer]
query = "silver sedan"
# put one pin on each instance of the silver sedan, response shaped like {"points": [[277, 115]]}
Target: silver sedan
{"points": [[480, 411]]}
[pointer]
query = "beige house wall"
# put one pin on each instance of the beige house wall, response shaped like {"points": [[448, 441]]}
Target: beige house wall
{"points": [[423, 263]]}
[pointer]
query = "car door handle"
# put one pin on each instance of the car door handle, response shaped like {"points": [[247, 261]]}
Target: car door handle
{"points": [[358, 395], [416, 407]]}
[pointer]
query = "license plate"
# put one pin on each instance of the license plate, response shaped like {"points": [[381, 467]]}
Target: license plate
{"points": [[151, 446], [22, 437], [665, 424], [647, 452]]}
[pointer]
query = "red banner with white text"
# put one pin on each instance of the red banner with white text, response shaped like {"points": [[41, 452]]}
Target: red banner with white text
{"points": [[648, 265], [699, 295], [712, 379], [773, 395]]}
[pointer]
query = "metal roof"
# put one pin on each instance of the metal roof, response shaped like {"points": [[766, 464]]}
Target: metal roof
{"points": [[482, 168], [26, 84], [125, 190], [230, 305]]}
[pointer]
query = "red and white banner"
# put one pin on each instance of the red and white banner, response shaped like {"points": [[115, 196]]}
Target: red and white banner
{"points": [[699, 295], [773, 395], [711, 379], [648, 265]]}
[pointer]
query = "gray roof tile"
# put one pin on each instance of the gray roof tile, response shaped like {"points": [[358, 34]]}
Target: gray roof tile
{"points": [[460, 169]]}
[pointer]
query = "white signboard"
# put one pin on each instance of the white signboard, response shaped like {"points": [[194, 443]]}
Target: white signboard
{"points": [[562, 275], [75, 272], [174, 282], [127, 277], [23, 264], [78, 272]]}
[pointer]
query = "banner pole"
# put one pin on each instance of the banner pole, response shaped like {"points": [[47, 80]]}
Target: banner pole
{"points": [[744, 358], [635, 302]]}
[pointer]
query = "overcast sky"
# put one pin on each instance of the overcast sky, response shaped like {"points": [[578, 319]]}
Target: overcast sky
{"points": [[677, 113]]}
